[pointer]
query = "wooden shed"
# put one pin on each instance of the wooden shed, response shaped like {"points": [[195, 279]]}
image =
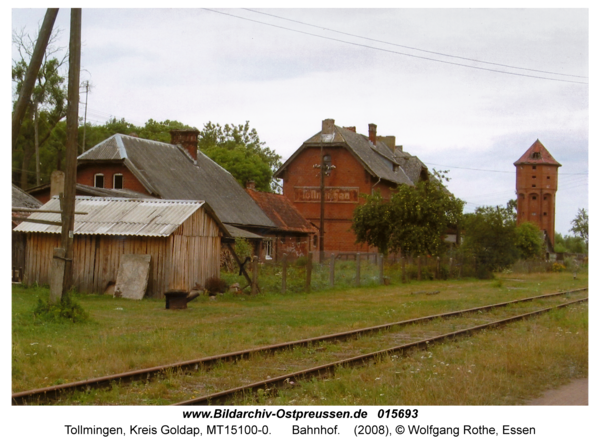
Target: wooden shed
{"points": [[183, 238]]}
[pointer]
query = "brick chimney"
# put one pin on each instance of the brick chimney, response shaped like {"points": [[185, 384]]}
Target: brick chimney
{"points": [[352, 129], [57, 183], [373, 133], [188, 139], [328, 127], [389, 141]]}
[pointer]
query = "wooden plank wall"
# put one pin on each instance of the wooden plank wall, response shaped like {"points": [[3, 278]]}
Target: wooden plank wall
{"points": [[189, 256]]}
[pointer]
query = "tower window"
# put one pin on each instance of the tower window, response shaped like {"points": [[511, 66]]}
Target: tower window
{"points": [[99, 180], [547, 178], [545, 213], [533, 176], [533, 185], [533, 167], [534, 197]]}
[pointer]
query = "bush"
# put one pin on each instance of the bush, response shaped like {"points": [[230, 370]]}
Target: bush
{"points": [[215, 285], [558, 267], [65, 310]]}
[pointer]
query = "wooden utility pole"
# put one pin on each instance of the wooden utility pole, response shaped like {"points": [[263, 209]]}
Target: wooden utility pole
{"points": [[32, 72], [68, 204]]}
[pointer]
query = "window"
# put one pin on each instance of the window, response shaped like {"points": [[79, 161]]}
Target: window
{"points": [[99, 180], [533, 167], [533, 177], [268, 249], [534, 197], [118, 181]]}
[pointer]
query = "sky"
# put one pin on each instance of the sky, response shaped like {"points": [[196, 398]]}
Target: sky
{"points": [[465, 90]]}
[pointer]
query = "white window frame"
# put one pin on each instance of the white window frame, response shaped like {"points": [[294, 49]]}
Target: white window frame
{"points": [[115, 180], [96, 176], [268, 245]]}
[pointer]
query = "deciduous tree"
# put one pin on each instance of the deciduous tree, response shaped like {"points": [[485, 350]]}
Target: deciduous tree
{"points": [[239, 150], [414, 221]]}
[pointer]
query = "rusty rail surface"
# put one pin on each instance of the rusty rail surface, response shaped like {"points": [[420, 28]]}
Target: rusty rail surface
{"points": [[52, 392], [328, 370]]}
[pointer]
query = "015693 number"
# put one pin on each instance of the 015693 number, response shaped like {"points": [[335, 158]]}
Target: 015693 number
{"points": [[398, 413]]}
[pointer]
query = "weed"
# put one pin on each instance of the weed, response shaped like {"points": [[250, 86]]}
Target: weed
{"points": [[66, 309]]}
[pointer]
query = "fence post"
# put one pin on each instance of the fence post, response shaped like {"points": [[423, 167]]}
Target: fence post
{"points": [[437, 274], [254, 275], [357, 269], [380, 261], [418, 267], [332, 271], [403, 260], [309, 266], [284, 273], [450, 268]]}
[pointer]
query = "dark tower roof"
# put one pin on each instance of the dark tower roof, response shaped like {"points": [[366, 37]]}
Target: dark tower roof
{"points": [[537, 154]]}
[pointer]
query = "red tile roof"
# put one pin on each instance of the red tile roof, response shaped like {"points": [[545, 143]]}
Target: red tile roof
{"points": [[537, 154], [281, 211]]}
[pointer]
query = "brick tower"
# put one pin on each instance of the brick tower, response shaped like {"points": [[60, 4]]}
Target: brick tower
{"points": [[537, 182]]}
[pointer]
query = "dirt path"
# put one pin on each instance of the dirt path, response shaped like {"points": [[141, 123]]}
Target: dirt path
{"points": [[573, 394]]}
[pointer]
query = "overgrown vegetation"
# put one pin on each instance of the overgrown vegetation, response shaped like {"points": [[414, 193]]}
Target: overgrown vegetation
{"points": [[66, 309], [127, 334]]}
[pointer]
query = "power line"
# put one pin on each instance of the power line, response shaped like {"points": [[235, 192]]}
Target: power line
{"points": [[394, 52], [497, 171], [413, 48]]}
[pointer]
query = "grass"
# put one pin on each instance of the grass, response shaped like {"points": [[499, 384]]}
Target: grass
{"points": [[123, 335]]}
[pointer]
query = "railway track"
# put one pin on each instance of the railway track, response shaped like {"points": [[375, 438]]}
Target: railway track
{"points": [[405, 335]]}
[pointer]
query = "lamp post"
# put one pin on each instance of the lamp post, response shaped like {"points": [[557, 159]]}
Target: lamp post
{"points": [[325, 170]]}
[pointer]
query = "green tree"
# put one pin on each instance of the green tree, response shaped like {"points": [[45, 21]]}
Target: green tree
{"points": [[413, 221], [580, 226], [239, 150], [46, 109], [490, 235], [529, 240]]}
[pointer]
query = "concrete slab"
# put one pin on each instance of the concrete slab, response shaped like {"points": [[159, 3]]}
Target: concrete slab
{"points": [[132, 278]]}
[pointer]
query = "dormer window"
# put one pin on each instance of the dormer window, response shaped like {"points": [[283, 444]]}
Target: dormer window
{"points": [[99, 180], [118, 181], [536, 155]]}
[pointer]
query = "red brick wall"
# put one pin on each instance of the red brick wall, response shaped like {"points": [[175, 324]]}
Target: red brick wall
{"points": [[536, 195], [343, 186], [85, 175]]}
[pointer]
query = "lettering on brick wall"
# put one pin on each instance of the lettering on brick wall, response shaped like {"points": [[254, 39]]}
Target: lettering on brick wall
{"points": [[332, 194]]}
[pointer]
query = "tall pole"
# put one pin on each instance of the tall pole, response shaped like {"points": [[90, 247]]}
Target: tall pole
{"points": [[322, 219], [32, 72], [68, 205]]}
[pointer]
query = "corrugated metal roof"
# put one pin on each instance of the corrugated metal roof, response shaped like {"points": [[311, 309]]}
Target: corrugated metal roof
{"points": [[118, 216], [169, 172]]}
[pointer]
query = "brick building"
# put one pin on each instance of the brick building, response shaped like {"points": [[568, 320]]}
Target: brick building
{"points": [[293, 234], [537, 183], [171, 171], [353, 165]]}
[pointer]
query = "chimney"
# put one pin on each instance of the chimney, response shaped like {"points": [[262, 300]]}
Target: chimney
{"points": [[352, 129], [328, 127], [251, 185], [188, 139], [373, 133], [389, 141], [57, 183]]}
